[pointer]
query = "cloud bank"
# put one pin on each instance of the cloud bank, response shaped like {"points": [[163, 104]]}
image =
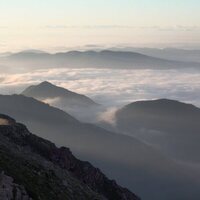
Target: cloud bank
{"points": [[113, 87]]}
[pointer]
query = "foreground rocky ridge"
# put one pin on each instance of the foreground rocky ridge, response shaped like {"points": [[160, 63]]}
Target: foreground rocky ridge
{"points": [[43, 171]]}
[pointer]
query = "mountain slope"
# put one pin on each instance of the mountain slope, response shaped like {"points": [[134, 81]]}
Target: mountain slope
{"points": [[48, 172], [93, 59], [132, 163], [170, 125], [46, 90]]}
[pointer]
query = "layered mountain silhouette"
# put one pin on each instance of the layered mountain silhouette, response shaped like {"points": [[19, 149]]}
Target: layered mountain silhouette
{"points": [[186, 55], [76, 104], [169, 125], [132, 163], [34, 168], [93, 59]]}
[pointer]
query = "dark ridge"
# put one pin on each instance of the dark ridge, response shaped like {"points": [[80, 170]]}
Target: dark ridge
{"points": [[29, 160]]}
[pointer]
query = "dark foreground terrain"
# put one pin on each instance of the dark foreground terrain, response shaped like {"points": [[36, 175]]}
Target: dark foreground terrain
{"points": [[35, 169]]}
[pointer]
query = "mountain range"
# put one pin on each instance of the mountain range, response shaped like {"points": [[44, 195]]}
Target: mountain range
{"points": [[92, 59], [134, 164], [170, 125]]}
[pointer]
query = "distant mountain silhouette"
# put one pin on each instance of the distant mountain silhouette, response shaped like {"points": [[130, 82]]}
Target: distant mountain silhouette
{"points": [[93, 59], [171, 125], [76, 104], [47, 172], [132, 163], [46, 90], [186, 55]]}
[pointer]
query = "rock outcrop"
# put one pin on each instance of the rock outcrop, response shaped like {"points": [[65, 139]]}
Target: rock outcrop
{"points": [[10, 190]]}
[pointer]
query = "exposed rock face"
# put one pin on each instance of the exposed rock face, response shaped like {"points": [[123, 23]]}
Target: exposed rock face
{"points": [[10, 190], [89, 175], [48, 172]]}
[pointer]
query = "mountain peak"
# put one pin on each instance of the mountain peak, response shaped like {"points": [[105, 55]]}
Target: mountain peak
{"points": [[47, 90], [44, 88], [45, 83]]}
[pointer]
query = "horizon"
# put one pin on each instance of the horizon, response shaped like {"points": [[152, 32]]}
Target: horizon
{"points": [[96, 48]]}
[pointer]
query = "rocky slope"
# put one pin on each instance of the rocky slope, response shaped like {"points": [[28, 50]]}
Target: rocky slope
{"points": [[10, 190], [41, 171]]}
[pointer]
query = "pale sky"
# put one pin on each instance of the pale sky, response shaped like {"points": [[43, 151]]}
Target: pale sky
{"points": [[59, 24]]}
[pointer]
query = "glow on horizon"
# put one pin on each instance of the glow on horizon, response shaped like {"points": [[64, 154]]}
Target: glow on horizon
{"points": [[54, 24]]}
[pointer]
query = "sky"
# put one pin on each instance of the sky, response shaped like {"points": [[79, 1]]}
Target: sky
{"points": [[56, 25]]}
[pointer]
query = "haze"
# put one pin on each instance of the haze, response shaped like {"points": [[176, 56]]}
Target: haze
{"points": [[59, 25]]}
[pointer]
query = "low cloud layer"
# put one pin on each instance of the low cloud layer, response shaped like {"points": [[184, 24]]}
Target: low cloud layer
{"points": [[113, 87]]}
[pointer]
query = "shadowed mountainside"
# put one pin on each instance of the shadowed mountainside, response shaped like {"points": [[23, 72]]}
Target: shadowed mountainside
{"points": [[132, 163], [47, 172], [169, 125]]}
